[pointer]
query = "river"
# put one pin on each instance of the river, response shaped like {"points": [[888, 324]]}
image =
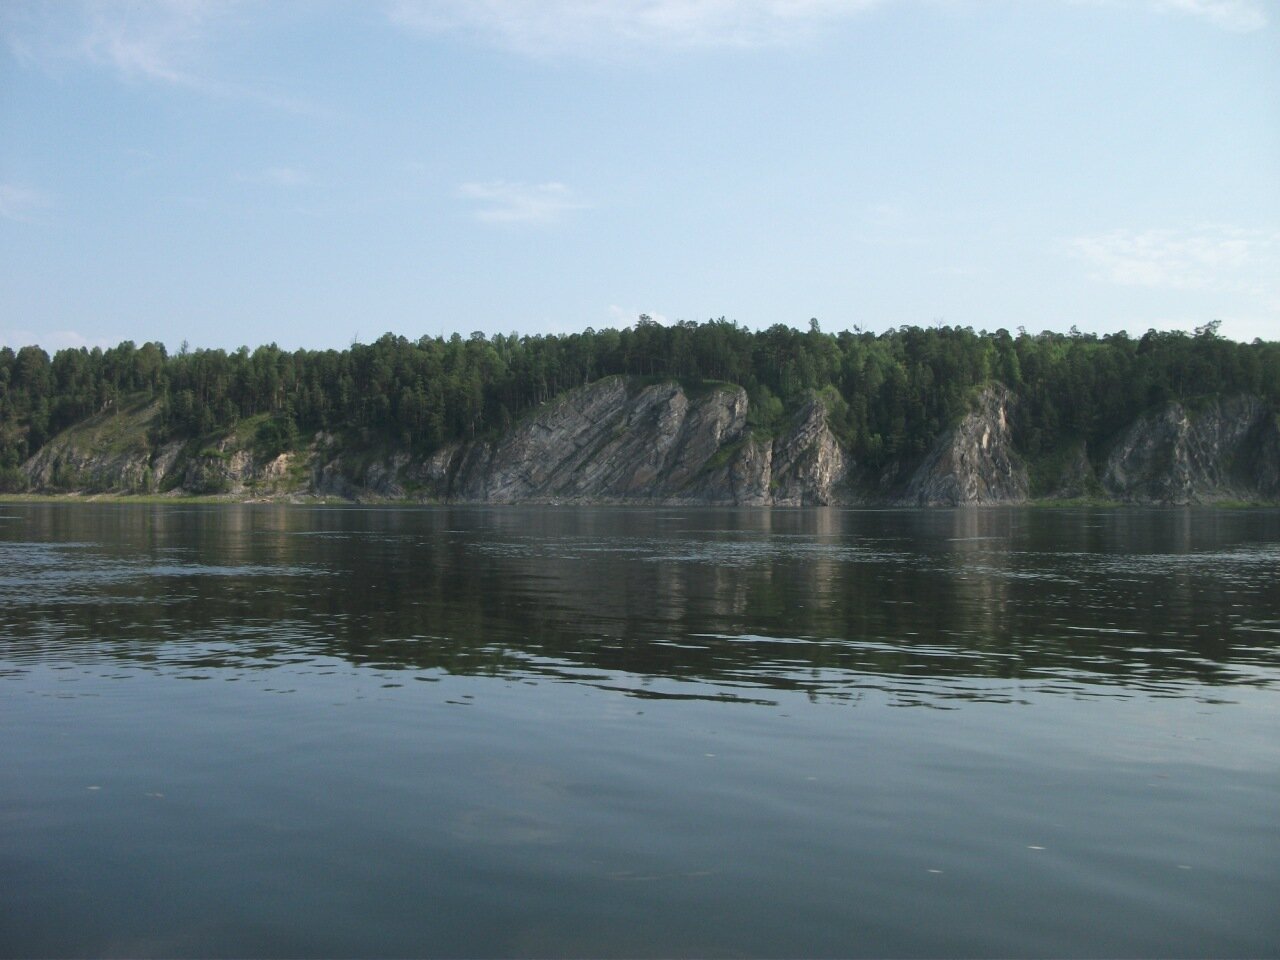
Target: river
{"points": [[291, 731]]}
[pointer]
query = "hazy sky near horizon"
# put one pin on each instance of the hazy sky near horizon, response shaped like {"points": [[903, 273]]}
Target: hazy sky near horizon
{"points": [[311, 173]]}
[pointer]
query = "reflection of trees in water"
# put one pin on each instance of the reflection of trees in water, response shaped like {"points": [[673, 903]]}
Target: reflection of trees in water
{"points": [[818, 600]]}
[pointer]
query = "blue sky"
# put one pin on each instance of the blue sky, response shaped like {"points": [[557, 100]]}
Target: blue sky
{"points": [[311, 173]]}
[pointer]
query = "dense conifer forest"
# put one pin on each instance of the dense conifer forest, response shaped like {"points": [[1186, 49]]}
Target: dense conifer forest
{"points": [[888, 394]]}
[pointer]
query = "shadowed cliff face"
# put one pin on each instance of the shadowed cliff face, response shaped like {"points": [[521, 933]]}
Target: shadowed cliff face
{"points": [[619, 441], [1226, 450]]}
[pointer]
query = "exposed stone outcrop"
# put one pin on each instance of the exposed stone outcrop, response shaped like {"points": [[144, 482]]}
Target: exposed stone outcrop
{"points": [[611, 442], [1262, 460], [109, 451], [624, 441], [1229, 449], [975, 463], [605, 443], [234, 470], [112, 452], [68, 466], [808, 466]]}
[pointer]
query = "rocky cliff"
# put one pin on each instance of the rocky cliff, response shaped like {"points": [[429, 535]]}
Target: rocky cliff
{"points": [[624, 441], [1228, 449], [615, 441], [975, 463], [112, 453]]}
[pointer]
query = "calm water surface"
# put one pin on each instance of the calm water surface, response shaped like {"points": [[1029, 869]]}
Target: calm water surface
{"points": [[289, 731]]}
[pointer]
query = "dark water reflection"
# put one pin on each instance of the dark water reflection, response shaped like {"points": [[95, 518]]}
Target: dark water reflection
{"points": [[504, 731], [928, 605]]}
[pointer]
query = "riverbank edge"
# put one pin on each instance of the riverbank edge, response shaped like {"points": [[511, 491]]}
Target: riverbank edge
{"points": [[321, 500]]}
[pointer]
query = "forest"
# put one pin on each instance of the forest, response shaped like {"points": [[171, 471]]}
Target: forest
{"points": [[888, 394]]}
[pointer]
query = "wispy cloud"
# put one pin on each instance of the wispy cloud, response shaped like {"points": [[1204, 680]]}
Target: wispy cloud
{"points": [[886, 216], [16, 339], [169, 42], [624, 317], [953, 272], [1215, 258], [595, 27], [288, 177], [157, 41], [74, 339], [162, 40], [21, 203], [52, 340], [501, 202], [1240, 15]]}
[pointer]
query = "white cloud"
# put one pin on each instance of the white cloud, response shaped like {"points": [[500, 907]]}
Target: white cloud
{"points": [[288, 177], [21, 203], [953, 271], [623, 317], [1241, 15], [593, 27], [170, 42], [17, 339], [1211, 272], [1215, 258], [887, 216], [600, 27], [63, 339], [1236, 15], [162, 40], [52, 341], [503, 202]]}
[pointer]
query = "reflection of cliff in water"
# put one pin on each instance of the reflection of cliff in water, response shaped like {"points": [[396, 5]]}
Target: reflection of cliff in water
{"points": [[926, 604]]}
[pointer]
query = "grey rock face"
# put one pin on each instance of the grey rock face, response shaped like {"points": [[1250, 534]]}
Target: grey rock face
{"points": [[60, 464], [619, 441], [1263, 466], [973, 464], [1226, 450], [608, 442], [808, 465], [598, 443], [108, 452], [237, 472]]}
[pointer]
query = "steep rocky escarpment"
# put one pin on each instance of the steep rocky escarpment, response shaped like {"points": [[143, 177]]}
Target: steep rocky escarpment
{"points": [[112, 452], [617, 442], [1228, 449], [628, 441], [605, 442], [808, 466], [1262, 460], [974, 463], [109, 451]]}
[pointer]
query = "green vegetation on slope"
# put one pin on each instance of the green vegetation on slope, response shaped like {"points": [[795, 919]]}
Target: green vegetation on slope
{"points": [[888, 395]]}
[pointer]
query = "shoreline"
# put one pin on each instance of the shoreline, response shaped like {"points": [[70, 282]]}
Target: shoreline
{"points": [[321, 500]]}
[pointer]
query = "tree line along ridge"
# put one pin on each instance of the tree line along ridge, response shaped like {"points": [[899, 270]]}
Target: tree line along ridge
{"points": [[888, 395]]}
